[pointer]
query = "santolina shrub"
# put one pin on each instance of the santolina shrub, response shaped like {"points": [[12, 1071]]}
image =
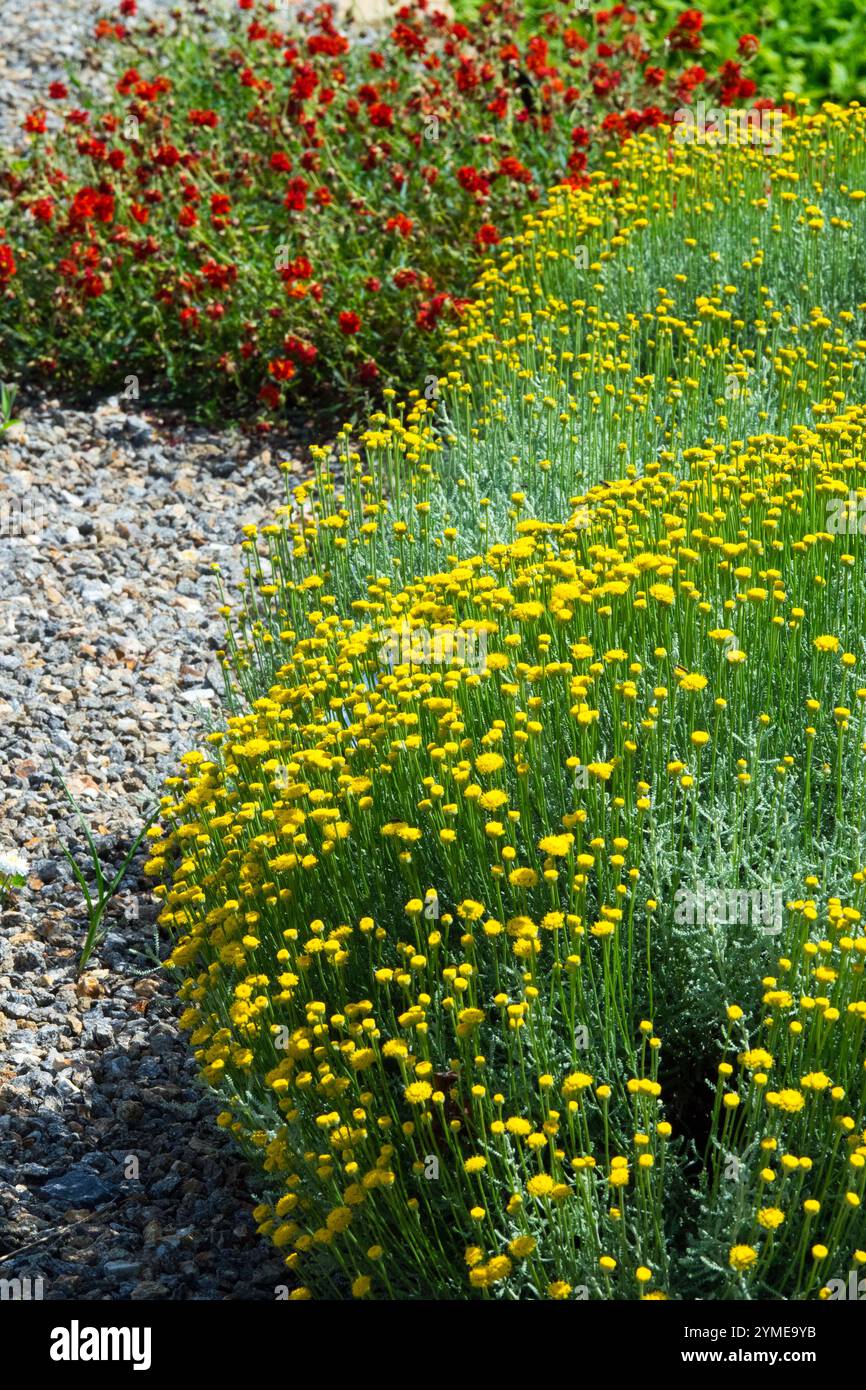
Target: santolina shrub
{"points": [[267, 204], [441, 928]]}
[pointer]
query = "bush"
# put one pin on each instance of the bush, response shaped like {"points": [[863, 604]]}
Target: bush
{"points": [[261, 212], [519, 911], [814, 49]]}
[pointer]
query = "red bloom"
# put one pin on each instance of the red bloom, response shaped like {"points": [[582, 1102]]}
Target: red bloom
{"points": [[748, 45], [34, 122], [7, 263], [207, 118], [296, 194], [218, 276], [472, 180], [401, 224], [166, 156], [332, 45], [94, 285], [430, 312], [487, 235], [58, 92], [381, 115], [690, 78], [405, 278], [42, 209], [299, 350], [407, 39], [349, 322], [686, 33], [280, 161], [282, 369]]}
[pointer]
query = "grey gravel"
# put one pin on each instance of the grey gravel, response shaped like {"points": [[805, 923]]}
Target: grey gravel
{"points": [[115, 1182]]}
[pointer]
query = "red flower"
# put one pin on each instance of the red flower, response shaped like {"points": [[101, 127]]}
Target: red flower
{"points": [[299, 350], [58, 92], [407, 39], [472, 180], [218, 276], [280, 161], [430, 312], [7, 263], [296, 194], [207, 118], [405, 278], [401, 224], [487, 235], [94, 285], [349, 322], [748, 45], [167, 156], [282, 369], [42, 209], [381, 114], [34, 122]]}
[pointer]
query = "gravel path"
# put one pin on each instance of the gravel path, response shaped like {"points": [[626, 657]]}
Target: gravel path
{"points": [[114, 1181], [108, 528]]}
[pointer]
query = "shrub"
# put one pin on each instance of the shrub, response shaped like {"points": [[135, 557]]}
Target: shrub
{"points": [[267, 206], [814, 50], [454, 923]]}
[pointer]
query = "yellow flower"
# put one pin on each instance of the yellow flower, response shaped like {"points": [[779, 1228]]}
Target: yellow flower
{"points": [[770, 1218], [557, 846], [541, 1185], [693, 682], [488, 763], [418, 1092]]}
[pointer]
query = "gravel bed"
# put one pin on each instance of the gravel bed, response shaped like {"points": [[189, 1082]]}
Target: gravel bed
{"points": [[114, 1181]]}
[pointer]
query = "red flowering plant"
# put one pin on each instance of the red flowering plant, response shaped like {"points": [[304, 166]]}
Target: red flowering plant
{"points": [[267, 203]]}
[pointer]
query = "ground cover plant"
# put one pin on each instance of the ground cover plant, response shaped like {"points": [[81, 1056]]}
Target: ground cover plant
{"points": [[518, 908], [270, 208]]}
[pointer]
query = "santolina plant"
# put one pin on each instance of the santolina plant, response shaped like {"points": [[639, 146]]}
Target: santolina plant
{"points": [[266, 205], [427, 914]]}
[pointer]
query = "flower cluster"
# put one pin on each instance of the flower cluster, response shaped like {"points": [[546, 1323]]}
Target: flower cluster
{"points": [[424, 909], [284, 204]]}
